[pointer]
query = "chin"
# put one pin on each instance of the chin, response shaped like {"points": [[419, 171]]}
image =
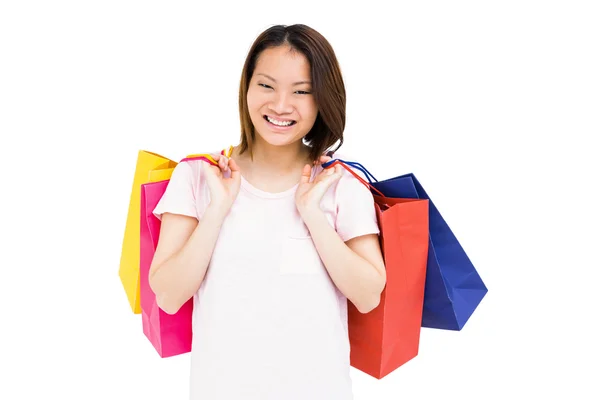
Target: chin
{"points": [[277, 139]]}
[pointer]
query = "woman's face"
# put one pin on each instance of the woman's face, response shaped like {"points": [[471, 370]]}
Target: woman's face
{"points": [[280, 101]]}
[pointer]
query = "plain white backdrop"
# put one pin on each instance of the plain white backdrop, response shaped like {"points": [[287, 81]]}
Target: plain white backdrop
{"points": [[494, 106]]}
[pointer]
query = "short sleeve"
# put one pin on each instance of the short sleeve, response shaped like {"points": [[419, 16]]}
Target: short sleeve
{"points": [[356, 215], [179, 196]]}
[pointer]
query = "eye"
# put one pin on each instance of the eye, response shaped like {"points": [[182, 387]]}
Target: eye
{"points": [[302, 92], [265, 86]]}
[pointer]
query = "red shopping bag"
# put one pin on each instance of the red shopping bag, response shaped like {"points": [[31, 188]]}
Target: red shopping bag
{"points": [[387, 337], [170, 335]]}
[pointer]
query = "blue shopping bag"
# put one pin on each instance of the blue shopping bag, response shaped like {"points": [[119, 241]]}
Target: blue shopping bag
{"points": [[453, 287]]}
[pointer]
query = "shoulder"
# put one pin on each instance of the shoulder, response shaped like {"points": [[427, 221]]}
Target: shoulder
{"points": [[193, 164], [355, 213], [188, 174], [348, 178]]}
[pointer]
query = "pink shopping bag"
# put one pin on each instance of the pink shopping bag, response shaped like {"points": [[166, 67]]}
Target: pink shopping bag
{"points": [[169, 334]]}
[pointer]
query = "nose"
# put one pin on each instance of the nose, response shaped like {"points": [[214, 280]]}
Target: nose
{"points": [[281, 104]]}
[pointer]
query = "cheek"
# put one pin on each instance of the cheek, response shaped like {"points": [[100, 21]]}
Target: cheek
{"points": [[252, 100], [309, 111]]}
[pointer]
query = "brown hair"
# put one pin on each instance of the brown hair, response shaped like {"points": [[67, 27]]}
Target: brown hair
{"points": [[327, 85]]}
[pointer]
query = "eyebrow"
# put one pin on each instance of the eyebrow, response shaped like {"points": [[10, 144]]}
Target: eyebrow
{"points": [[273, 79]]}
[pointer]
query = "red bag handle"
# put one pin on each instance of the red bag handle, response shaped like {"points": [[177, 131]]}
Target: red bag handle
{"points": [[367, 184]]}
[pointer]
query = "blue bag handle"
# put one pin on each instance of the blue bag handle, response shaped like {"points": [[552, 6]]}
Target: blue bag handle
{"points": [[354, 164]]}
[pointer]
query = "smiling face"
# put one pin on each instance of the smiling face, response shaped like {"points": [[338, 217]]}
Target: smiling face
{"points": [[280, 101]]}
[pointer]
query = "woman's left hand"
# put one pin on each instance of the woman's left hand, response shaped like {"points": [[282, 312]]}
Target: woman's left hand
{"points": [[309, 194]]}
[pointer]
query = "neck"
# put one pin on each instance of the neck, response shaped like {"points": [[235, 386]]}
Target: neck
{"points": [[278, 158]]}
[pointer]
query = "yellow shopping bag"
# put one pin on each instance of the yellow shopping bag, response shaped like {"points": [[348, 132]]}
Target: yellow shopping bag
{"points": [[150, 167]]}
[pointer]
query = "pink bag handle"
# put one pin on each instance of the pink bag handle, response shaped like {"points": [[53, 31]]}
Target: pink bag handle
{"points": [[207, 157]]}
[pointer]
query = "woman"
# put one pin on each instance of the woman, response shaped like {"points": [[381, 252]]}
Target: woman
{"points": [[271, 246]]}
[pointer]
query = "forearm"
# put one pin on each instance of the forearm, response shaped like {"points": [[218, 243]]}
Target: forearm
{"points": [[177, 279], [355, 277]]}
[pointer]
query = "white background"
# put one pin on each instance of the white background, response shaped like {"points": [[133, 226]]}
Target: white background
{"points": [[493, 105]]}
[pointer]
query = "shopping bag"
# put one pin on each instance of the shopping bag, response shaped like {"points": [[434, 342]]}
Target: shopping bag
{"points": [[169, 334], [150, 167], [453, 288], [387, 337]]}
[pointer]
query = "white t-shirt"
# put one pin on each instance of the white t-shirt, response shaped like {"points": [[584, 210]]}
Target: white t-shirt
{"points": [[268, 321]]}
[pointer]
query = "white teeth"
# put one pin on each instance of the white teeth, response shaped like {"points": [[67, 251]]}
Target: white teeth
{"points": [[279, 123]]}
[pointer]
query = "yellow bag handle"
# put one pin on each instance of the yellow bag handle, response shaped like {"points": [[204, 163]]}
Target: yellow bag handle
{"points": [[208, 157]]}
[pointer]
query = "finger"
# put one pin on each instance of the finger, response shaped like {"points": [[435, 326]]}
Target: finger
{"points": [[321, 187], [328, 181], [305, 178], [339, 169], [214, 157], [213, 170], [236, 174], [225, 164], [331, 175], [323, 159], [222, 161], [324, 174]]}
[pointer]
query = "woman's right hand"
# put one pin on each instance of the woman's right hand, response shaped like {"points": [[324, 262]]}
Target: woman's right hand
{"points": [[223, 190]]}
